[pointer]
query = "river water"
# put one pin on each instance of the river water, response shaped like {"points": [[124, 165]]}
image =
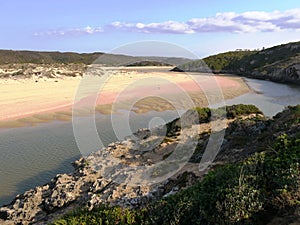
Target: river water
{"points": [[31, 156], [268, 96]]}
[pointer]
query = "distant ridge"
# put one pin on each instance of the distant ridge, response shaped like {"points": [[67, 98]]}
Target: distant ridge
{"points": [[43, 57], [11, 56], [148, 63]]}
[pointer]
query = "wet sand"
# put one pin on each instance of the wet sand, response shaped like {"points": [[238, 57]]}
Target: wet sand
{"points": [[27, 102]]}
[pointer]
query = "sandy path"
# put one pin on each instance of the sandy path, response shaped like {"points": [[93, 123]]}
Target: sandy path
{"points": [[23, 98]]}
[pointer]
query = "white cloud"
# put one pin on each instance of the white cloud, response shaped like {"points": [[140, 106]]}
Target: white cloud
{"points": [[247, 22], [71, 31], [164, 27], [228, 22]]}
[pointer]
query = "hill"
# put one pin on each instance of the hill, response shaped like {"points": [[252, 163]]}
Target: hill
{"points": [[37, 57], [279, 63], [148, 63]]}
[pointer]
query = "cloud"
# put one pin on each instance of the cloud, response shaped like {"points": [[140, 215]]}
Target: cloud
{"points": [[164, 27], [230, 22], [71, 31]]}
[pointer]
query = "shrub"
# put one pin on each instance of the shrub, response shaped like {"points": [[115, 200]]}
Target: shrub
{"points": [[103, 215], [204, 114], [241, 110]]}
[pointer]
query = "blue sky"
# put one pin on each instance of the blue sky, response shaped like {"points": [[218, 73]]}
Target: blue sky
{"points": [[201, 26]]}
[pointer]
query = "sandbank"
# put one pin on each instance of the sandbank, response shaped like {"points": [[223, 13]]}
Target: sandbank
{"points": [[28, 102]]}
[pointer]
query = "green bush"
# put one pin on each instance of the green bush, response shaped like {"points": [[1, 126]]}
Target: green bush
{"points": [[233, 111], [241, 110], [283, 169], [238, 193], [204, 114], [103, 215]]}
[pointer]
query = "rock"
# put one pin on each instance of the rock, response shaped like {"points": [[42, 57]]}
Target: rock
{"points": [[32, 71], [5, 213]]}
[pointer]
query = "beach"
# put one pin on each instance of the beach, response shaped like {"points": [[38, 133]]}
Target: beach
{"points": [[30, 101]]}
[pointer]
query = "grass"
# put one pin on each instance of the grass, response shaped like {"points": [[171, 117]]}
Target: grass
{"points": [[103, 215]]}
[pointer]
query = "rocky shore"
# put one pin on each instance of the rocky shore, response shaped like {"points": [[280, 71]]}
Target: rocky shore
{"points": [[284, 72], [106, 176], [83, 188], [96, 180]]}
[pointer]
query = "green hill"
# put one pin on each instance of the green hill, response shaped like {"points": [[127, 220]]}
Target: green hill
{"points": [[148, 63], [280, 63], [227, 60]]}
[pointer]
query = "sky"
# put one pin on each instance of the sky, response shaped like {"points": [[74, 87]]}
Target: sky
{"points": [[201, 27]]}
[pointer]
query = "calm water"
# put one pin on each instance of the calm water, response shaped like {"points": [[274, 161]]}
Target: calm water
{"points": [[270, 97], [31, 156]]}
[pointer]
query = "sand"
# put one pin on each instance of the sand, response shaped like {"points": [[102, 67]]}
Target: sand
{"points": [[26, 101]]}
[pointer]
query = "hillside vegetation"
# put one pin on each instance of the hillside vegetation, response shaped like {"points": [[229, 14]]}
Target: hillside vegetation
{"points": [[280, 63], [10, 56], [227, 60], [148, 63], [36, 57], [258, 185]]}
